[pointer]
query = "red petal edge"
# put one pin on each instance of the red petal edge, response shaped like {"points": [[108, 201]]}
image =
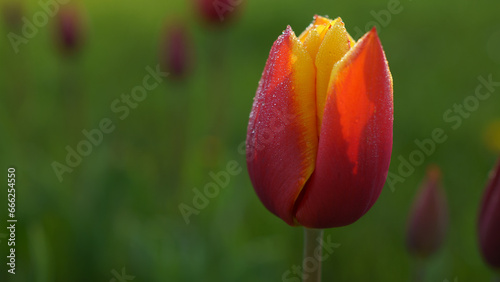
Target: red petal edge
{"points": [[280, 147]]}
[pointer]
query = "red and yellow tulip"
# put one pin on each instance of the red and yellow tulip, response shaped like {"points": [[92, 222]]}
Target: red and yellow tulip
{"points": [[319, 138], [489, 221]]}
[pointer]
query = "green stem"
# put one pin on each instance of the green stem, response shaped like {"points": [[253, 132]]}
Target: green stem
{"points": [[179, 119], [418, 270], [220, 89], [73, 100], [311, 264]]}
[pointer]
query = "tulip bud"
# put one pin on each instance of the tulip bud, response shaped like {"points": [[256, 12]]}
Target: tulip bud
{"points": [[12, 13], [489, 221], [428, 221], [69, 29], [319, 138], [175, 51], [218, 11]]}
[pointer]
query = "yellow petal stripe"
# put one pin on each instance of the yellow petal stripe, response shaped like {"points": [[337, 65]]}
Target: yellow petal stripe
{"points": [[334, 46]]}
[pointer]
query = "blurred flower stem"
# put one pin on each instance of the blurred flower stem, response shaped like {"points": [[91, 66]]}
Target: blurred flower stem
{"points": [[219, 76], [72, 98], [18, 83], [312, 252], [176, 59], [418, 271], [179, 122]]}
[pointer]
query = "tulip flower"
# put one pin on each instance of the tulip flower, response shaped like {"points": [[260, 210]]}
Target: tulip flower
{"points": [[428, 221], [175, 55], [69, 31], [319, 138], [12, 13], [489, 221], [218, 12]]}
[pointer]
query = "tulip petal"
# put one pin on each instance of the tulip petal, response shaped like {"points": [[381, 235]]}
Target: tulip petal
{"points": [[355, 141], [312, 43], [351, 40], [334, 46], [489, 221], [282, 139], [318, 21]]}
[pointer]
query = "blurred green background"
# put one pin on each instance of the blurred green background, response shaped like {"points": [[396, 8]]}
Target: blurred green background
{"points": [[119, 209]]}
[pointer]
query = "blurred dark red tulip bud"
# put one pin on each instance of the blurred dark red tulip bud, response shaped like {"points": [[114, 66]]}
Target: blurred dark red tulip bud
{"points": [[12, 13], [218, 11], [69, 29], [428, 221], [489, 221], [175, 51]]}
